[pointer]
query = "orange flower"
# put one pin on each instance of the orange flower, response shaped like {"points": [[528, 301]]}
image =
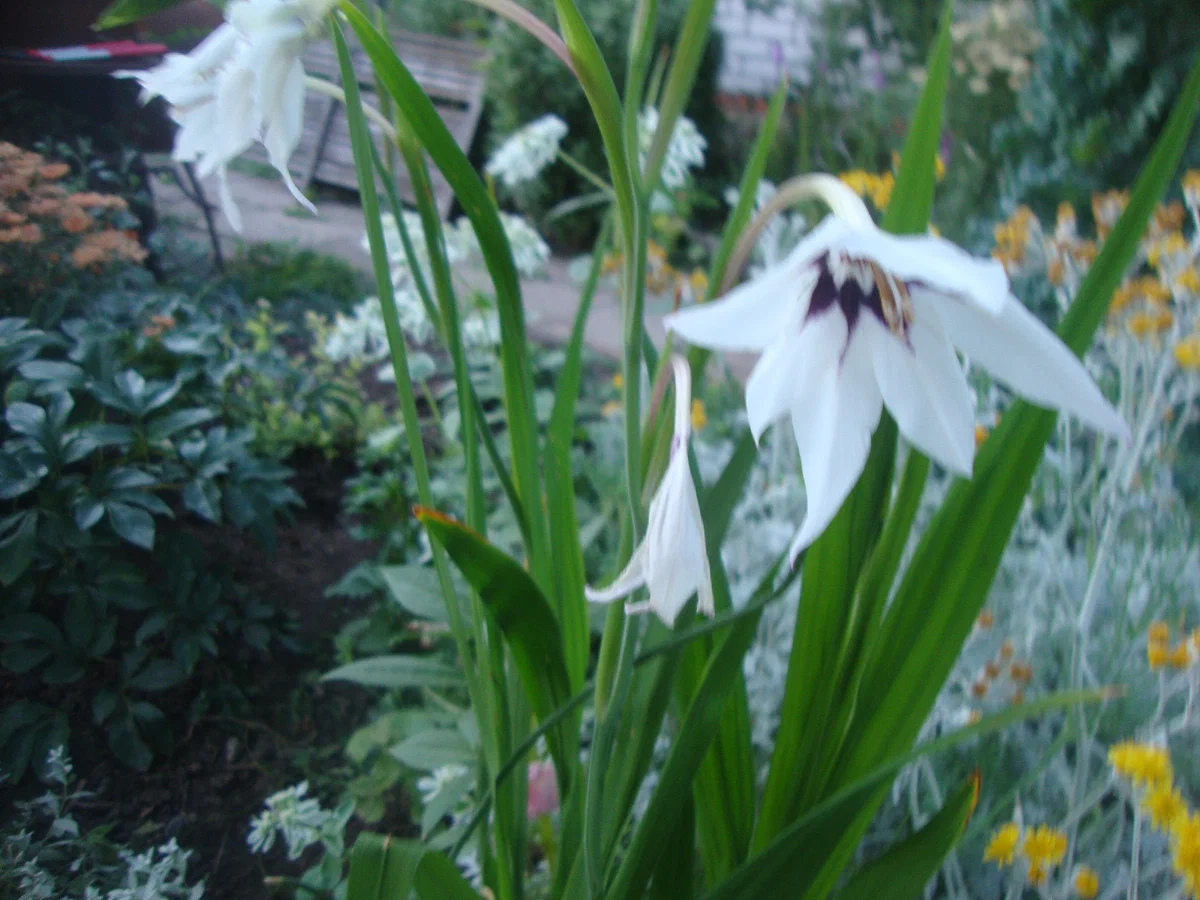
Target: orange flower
{"points": [[8, 217], [22, 234], [75, 220], [53, 171], [91, 200]]}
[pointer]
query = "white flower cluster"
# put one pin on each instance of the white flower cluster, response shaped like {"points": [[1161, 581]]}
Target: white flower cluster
{"points": [[157, 874], [685, 151], [527, 151], [301, 820]]}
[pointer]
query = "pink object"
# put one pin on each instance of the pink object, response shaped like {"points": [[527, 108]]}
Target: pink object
{"points": [[106, 50], [543, 790]]}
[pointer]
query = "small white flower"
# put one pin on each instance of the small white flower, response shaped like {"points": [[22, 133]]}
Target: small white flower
{"points": [[243, 83], [435, 782], [854, 319], [527, 151], [685, 150], [300, 819], [672, 559]]}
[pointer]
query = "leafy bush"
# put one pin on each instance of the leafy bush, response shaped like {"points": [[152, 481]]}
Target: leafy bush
{"points": [[112, 430]]}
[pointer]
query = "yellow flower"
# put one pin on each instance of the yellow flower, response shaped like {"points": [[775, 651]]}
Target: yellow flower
{"points": [[857, 180], [1188, 281], [1036, 875], [1141, 324], [618, 381], [1179, 657], [699, 416], [1187, 352], [1144, 764], [1156, 655], [881, 190], [1185, 851], [1055, 272], [1086, 882], [1159, 632], [1002, 848], [699, 283], [1165, 805], [939, 168], [1166, 247], [1044, 846], [981, 433], [611, 408]]}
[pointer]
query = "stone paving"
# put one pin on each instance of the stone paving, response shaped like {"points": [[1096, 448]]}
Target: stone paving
{"points": [[269, 213]]}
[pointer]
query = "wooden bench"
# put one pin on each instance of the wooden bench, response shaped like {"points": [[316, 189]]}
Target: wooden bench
{"points": [[450, 72]]}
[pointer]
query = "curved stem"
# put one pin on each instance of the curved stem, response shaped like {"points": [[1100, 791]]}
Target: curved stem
{"points": [[523, 18], [840, 199], [329, 89]]}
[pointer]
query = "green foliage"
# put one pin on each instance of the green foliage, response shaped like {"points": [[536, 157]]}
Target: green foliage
{"points": [[526, 81], [292, 279], [112, 434], [1100, 91]]}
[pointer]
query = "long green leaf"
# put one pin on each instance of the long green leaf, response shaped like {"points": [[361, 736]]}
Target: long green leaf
{"points": [[560, 483], [903, 870], [417, 109], [399, 671], [791, 865], [383, 868], [829, 626], [519, 608]]}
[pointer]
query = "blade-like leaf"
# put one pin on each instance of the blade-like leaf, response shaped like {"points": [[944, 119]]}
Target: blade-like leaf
{"points": [[902, 872], [519, 608], [401, 671], [383, 868], [560, 484]]}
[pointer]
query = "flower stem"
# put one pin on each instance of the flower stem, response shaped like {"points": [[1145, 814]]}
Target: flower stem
{"points": [[329, 89], [596, 181]]}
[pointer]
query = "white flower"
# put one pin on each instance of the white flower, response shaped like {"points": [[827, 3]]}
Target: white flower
{"points": [[854, 319], [300, 819], [243, 83], [672, 559], [685, 151], [527, 151]]}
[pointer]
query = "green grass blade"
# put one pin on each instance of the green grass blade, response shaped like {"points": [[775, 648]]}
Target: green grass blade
{"points": [[829, 625], [904, 869], [570, 576], [417, 109], [675, 875]]}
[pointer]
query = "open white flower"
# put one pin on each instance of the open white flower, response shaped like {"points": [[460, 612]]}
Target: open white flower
{"points": [[855, 318], [672, 559], [243, 83], [527, 151]]}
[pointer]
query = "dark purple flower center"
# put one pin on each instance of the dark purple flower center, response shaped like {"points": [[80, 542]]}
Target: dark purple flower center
{"points": [[855, 285]]}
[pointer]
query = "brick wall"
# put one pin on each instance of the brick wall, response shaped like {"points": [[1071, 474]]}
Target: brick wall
{"points": [[758, 44]]}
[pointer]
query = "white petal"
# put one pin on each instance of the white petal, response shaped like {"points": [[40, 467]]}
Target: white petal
{"points": [[749, 317], [935, 262], [631, 578], [1028, 357], [833, 422], [228, 206], [284, 129], [791, 366], [925, 389], [752, 316], [676, 556], [237, 119]]}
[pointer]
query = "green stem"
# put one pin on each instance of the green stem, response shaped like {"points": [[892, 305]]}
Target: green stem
{"points": [[596, 181]]}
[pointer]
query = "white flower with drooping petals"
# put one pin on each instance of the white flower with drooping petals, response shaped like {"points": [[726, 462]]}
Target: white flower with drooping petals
{"points": [[244, 83], [527, 151], [685, 150], [672, 559], [854, 319]]}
